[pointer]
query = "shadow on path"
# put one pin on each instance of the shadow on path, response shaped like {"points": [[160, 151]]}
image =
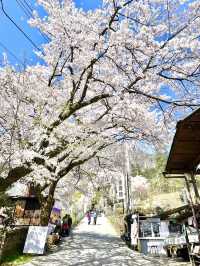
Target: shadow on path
{"points": [[96, 245]]}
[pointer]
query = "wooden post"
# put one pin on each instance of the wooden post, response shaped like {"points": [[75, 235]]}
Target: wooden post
{"points": [[123, 203], [194, 184], [192, 207], [194, 216]]}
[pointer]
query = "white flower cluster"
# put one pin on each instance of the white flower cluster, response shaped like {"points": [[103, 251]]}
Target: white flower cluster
{"points": [[114, 73]]}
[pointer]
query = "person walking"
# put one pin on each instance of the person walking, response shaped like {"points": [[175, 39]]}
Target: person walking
{"points": [[69, 222], [88, 215], [95, 217]]}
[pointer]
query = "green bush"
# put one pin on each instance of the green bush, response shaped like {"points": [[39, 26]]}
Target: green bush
{"points": [[119, 211], [118, 222], [16, 259]]}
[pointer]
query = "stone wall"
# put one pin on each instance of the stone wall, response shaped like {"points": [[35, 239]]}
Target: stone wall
{"points": [[12, 241]]}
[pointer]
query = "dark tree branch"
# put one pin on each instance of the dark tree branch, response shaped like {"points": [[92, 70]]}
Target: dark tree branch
{"points": [[54, 70]]}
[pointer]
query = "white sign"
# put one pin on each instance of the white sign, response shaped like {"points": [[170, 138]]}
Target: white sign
{"points": [[134, 233], [155, 247], [164, 229], [36, 239], [175, 240], [193, 238]]}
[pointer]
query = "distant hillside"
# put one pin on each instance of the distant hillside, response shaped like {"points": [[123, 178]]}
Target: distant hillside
{"points": [[165, 201], [164, 193]]}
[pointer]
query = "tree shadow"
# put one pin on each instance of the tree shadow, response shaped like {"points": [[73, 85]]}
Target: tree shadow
{"points": [[88, 248], [94, 249]]}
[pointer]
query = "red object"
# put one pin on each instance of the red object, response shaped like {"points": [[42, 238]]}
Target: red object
{"points": [[65, 226]]}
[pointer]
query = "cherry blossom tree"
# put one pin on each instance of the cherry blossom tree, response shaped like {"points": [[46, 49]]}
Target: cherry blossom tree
{"points": [[139, 185], [115, 73]]}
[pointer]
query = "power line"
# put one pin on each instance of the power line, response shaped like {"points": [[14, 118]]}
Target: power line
{"points": [[24, 8], [19, 28], [11, 53], [28, 4], [28, 10]]}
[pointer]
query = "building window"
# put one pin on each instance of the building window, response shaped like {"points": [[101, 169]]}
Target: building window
{"points": [[149, 228]]}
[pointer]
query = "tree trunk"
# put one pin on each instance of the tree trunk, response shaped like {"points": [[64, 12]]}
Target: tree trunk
{"points": [[47, 204], [13, 176], [196, 191]]}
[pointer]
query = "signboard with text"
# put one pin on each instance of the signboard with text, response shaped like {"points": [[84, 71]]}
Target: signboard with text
{"points": [[36, 239]]}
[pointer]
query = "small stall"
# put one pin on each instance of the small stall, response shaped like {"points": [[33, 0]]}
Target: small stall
{"points": [[26, 229], [181, 234], [146, 233], [23, 211], [54, 233], [26, 205], [170, 233], [152, 234], [27, 210], [184, 162]]}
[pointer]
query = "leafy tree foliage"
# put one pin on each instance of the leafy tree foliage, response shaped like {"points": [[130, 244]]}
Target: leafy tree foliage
{"points": [[154, 174]]}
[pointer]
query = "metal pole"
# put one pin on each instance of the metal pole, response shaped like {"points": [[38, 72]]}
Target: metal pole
{"points": [[126, 178], [128, 193]]}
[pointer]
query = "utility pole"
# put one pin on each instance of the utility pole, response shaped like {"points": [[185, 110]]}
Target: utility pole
{"points": [[126, 179]]}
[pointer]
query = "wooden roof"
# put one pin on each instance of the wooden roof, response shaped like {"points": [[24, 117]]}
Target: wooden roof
{"points": [[184, 156], [180, 213]]}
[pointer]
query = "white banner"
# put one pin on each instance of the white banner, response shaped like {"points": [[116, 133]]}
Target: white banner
{"points": [[36, 239]]}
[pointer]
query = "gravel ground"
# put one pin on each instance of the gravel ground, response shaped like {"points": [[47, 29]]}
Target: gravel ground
{"points": [[97, 245]]}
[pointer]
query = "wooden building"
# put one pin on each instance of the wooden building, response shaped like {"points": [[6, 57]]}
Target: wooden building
{"points": [[184, 162], [26, 206], [27, 210]]}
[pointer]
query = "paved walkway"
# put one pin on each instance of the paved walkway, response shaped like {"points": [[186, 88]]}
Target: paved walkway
{"points": [[96, 245]]}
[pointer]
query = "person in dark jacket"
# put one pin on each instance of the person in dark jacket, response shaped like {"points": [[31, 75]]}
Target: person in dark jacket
{"points": [[95, 217], [65, 226], [58, 227], [70, 222]]}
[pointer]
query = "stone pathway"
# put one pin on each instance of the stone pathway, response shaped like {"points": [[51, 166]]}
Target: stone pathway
{"points": [[97, 245]]}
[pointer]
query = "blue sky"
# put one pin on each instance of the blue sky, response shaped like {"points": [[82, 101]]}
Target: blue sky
{"points": [[20, 49]]}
